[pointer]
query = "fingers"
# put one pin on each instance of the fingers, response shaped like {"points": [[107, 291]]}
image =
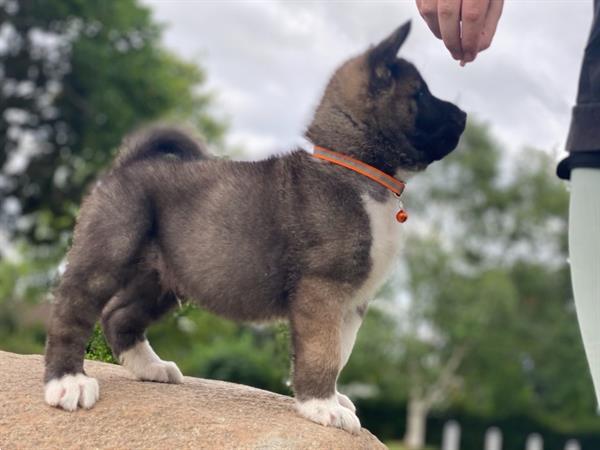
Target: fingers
{"points": [[466, 26], [449, 22], [491, 23], [429, 12], [473, 18]]}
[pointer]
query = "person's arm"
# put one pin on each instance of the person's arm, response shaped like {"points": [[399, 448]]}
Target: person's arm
{"points": [[466, 26]]}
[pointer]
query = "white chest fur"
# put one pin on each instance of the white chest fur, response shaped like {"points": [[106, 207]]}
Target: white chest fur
{"points": [[385, 244]]}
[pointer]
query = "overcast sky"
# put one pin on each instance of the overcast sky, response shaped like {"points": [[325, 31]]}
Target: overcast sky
{"points": [[268, 62]]}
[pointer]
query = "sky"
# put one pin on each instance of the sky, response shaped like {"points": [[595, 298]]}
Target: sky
{"points": [[268, 62]]}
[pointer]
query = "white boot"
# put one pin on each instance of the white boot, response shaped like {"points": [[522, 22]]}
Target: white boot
{"points": [[584, 251]]}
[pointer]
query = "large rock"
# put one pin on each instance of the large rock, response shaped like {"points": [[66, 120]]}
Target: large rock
{"points": [[199, 414]]}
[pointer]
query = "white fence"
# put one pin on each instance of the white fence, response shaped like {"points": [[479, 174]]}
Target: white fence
{"points": [[493, 439]]}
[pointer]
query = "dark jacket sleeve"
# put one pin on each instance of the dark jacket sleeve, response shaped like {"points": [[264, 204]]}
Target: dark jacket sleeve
{"points": [[583, 141]]}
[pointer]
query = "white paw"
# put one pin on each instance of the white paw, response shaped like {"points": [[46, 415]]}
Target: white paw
{"points": [[141, 361], [346, 402], [330, 413], [161, 371], [72, 390]]}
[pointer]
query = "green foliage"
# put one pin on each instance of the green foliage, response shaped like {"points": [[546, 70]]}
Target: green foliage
{"points": [[397, 445], [97, 348], [23, 301], [205, 345], [107, 75]]}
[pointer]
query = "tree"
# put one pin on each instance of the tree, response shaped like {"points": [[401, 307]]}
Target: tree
{"points": [[457, 320], [76, 77]]}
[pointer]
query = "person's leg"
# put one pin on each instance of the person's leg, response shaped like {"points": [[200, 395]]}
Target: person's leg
{"points": [[584, 252], [582, 166]]}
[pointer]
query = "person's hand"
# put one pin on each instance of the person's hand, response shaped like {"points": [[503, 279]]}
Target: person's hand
{"points": [[466, 26]]}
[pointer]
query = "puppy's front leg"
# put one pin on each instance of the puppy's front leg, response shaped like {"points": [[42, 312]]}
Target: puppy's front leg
{"points": [[316, 317]]}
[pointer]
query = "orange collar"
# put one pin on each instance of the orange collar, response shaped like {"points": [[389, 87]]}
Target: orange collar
{"points": [[387, 181]]}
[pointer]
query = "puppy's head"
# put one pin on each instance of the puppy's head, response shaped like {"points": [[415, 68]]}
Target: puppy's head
{"points": [[382, 103]]}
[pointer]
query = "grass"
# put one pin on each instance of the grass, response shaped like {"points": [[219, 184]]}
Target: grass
{"points": [[397, 445]]}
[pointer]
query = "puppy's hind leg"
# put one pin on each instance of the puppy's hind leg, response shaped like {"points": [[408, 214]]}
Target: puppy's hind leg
{"points": [[107, 242], [79, 299], [125, 319], [316, 318]]}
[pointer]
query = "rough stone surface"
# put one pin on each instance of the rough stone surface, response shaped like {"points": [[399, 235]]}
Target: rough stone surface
{"points": [[198, 414]]}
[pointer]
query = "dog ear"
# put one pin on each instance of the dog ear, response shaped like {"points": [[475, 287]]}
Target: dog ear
{"points": [[384, 53]]}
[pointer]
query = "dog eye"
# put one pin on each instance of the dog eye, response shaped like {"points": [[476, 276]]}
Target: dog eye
{"points": [[394, 70]]}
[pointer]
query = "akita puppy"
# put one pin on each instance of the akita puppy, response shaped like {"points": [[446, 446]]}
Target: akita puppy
{"points": [[303, 237]]}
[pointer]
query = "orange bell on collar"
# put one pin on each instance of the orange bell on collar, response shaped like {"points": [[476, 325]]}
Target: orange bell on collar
{"points": [[401, 216]]}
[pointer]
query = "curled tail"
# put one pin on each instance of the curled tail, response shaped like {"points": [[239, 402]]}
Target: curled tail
{"points": [[161, 142]]}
